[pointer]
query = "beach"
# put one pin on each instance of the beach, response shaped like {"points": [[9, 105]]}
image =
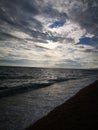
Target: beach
{"points": [[29, 94], [80, 112]]}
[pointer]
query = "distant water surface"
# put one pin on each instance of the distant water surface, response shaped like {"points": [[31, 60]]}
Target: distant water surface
{"points": [[27, 94]]}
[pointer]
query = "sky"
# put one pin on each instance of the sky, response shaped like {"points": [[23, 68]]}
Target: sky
{"points": [[49, 33]]}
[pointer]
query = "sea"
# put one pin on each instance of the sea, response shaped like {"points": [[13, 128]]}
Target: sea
{"points": [[27, 94]]}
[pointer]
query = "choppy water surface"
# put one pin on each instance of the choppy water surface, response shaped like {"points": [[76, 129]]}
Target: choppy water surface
{"points": [[27, 94]]}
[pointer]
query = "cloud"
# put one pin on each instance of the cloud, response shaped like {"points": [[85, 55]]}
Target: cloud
{"points": [[49, 33], [86, 14], [89, 20]]}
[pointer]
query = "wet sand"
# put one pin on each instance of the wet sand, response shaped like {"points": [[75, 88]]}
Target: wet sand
{"points": [[78, 113]]}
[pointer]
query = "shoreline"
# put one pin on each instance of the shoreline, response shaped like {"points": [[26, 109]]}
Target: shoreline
{"points": [[79, 112]]}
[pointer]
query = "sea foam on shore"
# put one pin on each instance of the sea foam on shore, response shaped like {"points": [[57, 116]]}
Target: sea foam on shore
{"points": [[28, 94], [80, 112]]}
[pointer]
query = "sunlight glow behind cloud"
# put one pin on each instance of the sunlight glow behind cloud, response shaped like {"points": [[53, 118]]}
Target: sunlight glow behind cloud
{"points": [[49, 33]]}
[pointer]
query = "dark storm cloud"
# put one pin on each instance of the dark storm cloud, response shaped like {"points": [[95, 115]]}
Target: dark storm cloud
{"points": [[6, 36], [86, 15], [89, 20], [23, 5], [90, 2], [36, 40], [12, 11], [20, 16], [54, 13], [94, 50], [56, 38], [43, 37]]}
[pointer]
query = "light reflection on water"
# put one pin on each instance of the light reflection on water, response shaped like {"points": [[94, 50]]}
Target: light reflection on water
{"points": [[19, 111]]}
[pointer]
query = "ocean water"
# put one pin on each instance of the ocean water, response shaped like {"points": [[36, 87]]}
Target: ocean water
{"points": [[28, 94]]}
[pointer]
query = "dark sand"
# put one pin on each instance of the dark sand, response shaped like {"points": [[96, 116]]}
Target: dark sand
{"points": [[78, 113]]}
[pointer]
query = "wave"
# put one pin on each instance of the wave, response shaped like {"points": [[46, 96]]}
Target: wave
{"points": [[8, 91], [20, 89], [61, 79], [4, 77]]}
